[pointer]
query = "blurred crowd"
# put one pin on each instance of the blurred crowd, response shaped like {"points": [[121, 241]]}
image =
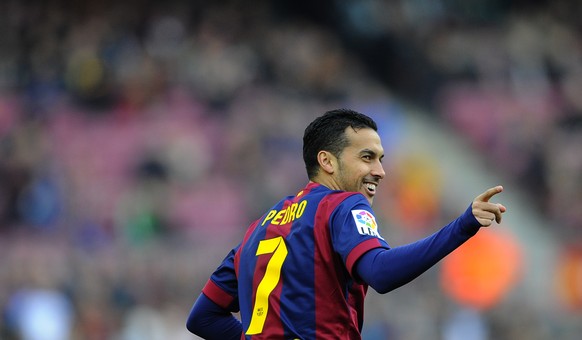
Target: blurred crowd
{"points": [[139, 139], [507, 75]]}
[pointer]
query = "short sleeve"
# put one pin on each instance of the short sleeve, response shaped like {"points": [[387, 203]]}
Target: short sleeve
{"points": [[354, 230], [222, 287]]}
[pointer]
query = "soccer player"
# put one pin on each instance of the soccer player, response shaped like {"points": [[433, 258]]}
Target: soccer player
{"points": [[302, 270]]}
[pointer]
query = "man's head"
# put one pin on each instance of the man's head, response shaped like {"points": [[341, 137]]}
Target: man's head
{"points": [[342, 150]]}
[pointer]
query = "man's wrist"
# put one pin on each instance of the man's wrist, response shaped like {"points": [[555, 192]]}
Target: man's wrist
{"points": [[468, 223]]}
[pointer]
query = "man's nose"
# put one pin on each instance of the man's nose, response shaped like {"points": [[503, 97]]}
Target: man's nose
{"points": [[378, 170]]}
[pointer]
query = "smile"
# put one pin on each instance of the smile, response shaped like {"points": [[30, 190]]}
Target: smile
{"points": [[371, 187]]}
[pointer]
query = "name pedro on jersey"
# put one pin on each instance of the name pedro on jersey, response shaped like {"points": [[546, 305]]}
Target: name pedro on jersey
{"points": [[284, 216]]}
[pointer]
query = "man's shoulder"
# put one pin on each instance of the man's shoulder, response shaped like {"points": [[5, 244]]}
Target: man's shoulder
{"points": [[343, 202]]}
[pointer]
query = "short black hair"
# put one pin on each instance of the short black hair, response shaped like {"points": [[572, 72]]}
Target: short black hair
{"points": [[328, 132]]}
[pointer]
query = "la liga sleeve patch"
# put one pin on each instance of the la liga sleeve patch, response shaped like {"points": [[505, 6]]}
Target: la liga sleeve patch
{"points": [[366, 223]]}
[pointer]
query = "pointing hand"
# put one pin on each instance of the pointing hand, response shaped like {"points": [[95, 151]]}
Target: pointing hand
{"points": [[486, 212]]}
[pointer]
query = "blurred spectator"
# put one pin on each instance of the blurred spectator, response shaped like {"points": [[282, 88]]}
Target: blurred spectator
{"points": [[40, 314]]}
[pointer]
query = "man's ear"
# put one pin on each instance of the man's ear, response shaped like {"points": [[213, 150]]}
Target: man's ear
{"points": [[327, 161]]}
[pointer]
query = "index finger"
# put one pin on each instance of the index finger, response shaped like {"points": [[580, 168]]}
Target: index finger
{"points": [[486, 196]]}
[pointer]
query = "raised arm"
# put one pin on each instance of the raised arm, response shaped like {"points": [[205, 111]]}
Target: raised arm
{"points": [[388, 269]]}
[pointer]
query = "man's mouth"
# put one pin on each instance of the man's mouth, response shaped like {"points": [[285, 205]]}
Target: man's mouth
{"points": [[371, 188]]}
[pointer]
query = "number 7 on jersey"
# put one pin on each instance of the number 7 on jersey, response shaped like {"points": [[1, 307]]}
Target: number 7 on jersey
{"points": [[277, 247]]}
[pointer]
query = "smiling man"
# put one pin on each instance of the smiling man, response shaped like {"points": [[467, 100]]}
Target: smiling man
{"points": [[302, 270]]}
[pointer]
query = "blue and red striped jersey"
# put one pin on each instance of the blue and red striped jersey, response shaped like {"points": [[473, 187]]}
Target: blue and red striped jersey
{"points": [[292, 275]]}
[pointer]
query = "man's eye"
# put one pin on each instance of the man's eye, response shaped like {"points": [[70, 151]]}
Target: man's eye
{"points": [[367, 157]]}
